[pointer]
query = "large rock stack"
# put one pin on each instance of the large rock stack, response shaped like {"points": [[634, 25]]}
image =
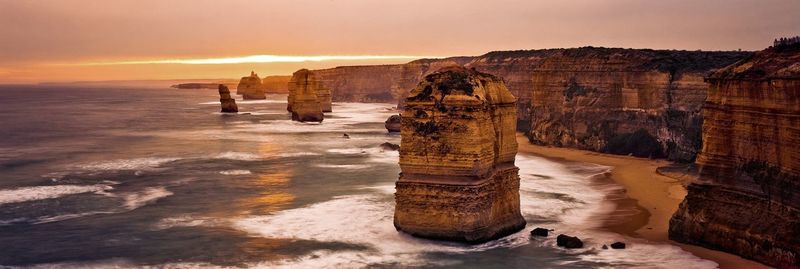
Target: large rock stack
{"points": [[747, 199], [250, 87], [458, 179], [303, 101], [225, 100]]}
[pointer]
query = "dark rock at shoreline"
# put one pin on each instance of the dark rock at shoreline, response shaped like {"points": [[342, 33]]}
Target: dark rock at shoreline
{"points": [[618, 245], [228, 104], [393, 123], [540, 232], [390, 146], [567, 241]]}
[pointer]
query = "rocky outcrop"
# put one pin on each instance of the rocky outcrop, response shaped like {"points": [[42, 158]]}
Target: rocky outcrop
{"points": [[250, 87], [225, 100], [276, 84], [393, 123], [303, 101], [309, 81], [457, 151], [583, 98], [747, 198]]}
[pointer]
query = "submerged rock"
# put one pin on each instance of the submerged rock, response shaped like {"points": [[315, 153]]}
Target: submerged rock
{"points": [[390, 146], [228, 104], [618, 245], [302, 99], [567, 241], [250, 87], [457, 151], [393, 123], [540, 232]]}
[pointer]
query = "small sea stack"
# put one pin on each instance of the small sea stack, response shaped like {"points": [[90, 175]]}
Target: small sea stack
{"points": [[250, 87], [393, 123], [458, 180], [302, 100], [228, 104]]}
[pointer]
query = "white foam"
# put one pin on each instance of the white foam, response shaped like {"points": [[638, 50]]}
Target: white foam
{"points": [[344, 166], [298, 154], [235, 172], [128, 164], [348, 151], [149, 195], [240, 156], [185, 221], [26, 194]]}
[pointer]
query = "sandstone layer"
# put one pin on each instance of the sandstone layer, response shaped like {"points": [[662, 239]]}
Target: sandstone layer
{"points": [[226, 102], [250, 87], [276, 84], [303, 101], [582, 98], [458, 179], [747, 198]]}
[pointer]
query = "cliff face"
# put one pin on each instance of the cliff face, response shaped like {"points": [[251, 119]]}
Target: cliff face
{"points": [[303, 101], [276, 84], [747, 199], [226, 102], [250, 87], [458, 179], [584, 98]]}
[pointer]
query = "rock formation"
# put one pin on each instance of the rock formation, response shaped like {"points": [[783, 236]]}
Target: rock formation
{"points": [[225, 100], [276, 84], [457, 150], [582, 98], [303, 101], [250, 87], [747, 198], [393, 123]]}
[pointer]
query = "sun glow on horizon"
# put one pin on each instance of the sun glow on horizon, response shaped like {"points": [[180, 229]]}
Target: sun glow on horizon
{"points": [[259, 59]]}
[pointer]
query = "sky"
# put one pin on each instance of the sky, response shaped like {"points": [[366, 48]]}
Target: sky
{"points": [[88, 40]]}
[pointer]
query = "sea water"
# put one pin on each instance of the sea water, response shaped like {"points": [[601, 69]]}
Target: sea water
{"points": [[136, 177]]}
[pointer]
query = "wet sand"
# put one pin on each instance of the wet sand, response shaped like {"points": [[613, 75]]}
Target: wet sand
{"points": [[647, 203]]}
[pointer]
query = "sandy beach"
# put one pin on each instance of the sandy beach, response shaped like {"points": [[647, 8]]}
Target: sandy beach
{"points": [[655, 196]]}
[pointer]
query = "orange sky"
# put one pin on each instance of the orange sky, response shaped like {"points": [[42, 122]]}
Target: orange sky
{"points": [[80, 40]]}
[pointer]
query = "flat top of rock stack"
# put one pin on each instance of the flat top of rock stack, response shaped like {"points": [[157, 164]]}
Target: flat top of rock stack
{"points": [[458, 85], [774, 62]]}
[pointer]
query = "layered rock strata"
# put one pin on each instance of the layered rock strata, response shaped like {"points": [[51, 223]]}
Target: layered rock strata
{"points": [[303, 101], [276, 84], [458, 179], [226, 102], [747, 198], [583, 98], [250, 87]]}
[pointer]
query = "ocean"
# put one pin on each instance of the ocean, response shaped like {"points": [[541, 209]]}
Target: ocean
{"points": [[158, 178]]}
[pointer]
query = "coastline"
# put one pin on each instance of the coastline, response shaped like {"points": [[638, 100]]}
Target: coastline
{"points": [[647, 203]]}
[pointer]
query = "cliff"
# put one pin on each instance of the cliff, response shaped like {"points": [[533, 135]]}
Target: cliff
{"points": [[250, 87], [457, 151], [303, 101], [276, 84], [585, 98], [747, 198]]}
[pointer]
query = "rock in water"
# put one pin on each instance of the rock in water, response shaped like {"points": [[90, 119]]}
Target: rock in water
{"points": [[393, 123], [307, 81], [457, 150], [567, 241], [225, 100], [250, 87], [747, 198], [618, 245], [540, 232], [390, 146], [303, 101]]}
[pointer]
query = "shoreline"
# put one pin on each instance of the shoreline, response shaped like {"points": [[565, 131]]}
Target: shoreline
{"points": [[646, 204]]}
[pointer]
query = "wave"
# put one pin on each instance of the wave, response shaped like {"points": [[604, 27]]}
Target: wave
{"points": [[27, 194], [128, 164], [235, 172], [147, 196], [344, 166], [239, 156]]}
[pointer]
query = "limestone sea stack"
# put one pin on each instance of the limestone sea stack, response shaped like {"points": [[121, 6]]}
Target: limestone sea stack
{"points": [[393, 123], [302, 100], [458, 180], [225, 100], [747, 198], [250, 87]]}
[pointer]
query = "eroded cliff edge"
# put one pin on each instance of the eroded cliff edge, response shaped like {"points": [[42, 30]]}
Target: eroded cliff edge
{"points": [[747, 198], [583, 98], [458, 180]]}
